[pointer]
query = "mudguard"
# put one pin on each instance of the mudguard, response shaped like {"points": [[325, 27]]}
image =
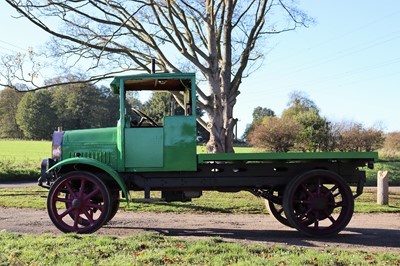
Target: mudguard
{"points": [[95, 163]]}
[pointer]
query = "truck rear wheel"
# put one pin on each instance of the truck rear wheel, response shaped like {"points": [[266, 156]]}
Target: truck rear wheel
{"points": [[78, 202], [318, 203], [275, 208]]}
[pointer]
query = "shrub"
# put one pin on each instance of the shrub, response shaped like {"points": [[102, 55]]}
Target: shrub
{"points": [[275, 134]]}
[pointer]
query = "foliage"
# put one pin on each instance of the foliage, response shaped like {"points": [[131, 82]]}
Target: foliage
{"points": [[258, 115], [72, 106], [354, 137], [299, 102], [391, 147], [313, 131], [35, 118], [314, 134], [80, 106], [9, 100], [155, 249], [275, 134]]}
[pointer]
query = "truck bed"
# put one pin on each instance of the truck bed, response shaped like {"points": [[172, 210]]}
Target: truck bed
{"points": [[282, 156]]}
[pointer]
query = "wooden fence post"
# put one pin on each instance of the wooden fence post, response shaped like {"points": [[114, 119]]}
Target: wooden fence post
{"points": [[383, 188]]}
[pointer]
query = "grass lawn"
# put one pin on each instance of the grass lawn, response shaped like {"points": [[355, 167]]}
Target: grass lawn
{"points": [[20, 159], [151, 249]]}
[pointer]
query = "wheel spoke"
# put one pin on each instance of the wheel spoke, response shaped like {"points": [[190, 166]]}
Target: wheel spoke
{"points": [[319, 187], [70, 190], [338, 204], [82, 187], [67, 211], [76, 222], [63, 200], [333, 189], [95, 206], [304, 215], [91, 194], [330, 217], [306, 189], [316, 224], [89, 216]]}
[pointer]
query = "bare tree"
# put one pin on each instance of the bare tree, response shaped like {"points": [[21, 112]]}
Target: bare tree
{"points": [[216, 38]]}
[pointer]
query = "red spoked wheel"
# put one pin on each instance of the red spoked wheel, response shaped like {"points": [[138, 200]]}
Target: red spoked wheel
{"points": [[78, 202], [318, 203]]}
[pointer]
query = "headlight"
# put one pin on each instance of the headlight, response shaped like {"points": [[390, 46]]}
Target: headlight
{"points": [[56, 145]]}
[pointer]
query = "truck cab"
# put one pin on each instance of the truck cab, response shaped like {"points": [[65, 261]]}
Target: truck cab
{"points": [[148, 145]]}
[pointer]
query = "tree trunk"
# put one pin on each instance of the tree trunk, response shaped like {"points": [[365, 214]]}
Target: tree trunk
{"points": [[221, 126]]}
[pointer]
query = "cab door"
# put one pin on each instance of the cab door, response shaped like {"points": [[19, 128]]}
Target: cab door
{"points": [[144, 147]]}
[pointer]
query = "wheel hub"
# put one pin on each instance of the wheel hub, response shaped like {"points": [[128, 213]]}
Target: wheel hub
{"points": [[319, 204], [76, 203]]}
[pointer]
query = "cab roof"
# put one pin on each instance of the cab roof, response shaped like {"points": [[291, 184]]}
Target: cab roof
{"points": [[157, 82]]}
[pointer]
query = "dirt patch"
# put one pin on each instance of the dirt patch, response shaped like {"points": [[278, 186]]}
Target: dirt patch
{"points": [[372, 232]]}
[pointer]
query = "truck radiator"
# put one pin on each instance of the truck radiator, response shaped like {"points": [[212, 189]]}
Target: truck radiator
{"points": [[104, 157]]}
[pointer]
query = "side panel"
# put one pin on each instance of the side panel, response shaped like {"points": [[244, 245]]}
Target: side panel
{"points": [[144, 147], [180, 143]]}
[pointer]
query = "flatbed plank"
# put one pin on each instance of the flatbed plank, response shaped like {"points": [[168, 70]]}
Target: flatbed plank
{"points": [[203, 158]]}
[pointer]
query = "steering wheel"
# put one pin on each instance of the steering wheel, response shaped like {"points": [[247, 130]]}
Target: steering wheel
{"points": [[144, 117]]}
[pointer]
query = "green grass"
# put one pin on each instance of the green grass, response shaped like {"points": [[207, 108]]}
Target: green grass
{"points": [[394, 172], [20, 160], [152, 249], [210, 202]]}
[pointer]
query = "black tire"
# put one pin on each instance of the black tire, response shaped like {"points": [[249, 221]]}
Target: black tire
{"points": [[318, 203], [276, 208], [114, 195]]}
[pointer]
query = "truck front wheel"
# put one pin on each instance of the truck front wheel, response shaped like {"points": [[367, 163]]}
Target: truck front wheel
{"points": [[78, 202]]}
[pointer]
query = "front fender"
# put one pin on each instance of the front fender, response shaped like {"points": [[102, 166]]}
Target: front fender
{"points": [[97, 164]]}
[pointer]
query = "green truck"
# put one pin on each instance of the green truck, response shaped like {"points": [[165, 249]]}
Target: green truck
{"points": [[91, 170]]}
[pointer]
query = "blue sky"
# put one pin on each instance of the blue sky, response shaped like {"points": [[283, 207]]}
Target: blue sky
{"points": [[348, 63]]}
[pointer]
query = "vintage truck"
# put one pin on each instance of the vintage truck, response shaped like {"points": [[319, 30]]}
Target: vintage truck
{"points": [[91, 169]]}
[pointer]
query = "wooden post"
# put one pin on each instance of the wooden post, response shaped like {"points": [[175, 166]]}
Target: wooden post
{"points": [[383, 188]]}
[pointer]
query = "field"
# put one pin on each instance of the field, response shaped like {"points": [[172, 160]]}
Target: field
{"points": [[20, 160]]}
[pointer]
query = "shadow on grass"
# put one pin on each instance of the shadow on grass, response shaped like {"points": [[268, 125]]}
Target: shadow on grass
{"points": [[19, 176], [354, 238]]}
